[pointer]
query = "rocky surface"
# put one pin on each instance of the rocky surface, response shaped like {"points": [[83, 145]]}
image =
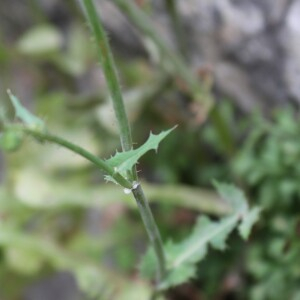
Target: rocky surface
{"points": [[251, 46]]}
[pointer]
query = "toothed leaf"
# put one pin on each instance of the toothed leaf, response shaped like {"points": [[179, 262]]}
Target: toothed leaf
{"points": [[124, 161], [182, 257]]}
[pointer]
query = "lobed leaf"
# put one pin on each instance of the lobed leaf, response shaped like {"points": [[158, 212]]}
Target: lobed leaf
{"points": [[182, 257], [124, 161]]}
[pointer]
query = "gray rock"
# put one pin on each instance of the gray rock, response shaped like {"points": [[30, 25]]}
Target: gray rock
{"points": [[254, 42]]}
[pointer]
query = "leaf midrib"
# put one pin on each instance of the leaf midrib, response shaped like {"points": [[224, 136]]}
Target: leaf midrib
{"points": [[190, 251]]}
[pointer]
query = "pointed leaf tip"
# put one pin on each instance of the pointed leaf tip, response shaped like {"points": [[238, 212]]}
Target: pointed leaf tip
{"points": [[124, 161]]}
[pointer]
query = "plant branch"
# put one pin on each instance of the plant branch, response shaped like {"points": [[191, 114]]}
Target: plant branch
{"points": [[152, 230], [107, 62], [106, 59], [101, 164]]}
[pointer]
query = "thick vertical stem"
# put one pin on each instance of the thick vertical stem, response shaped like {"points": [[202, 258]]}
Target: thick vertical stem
{"points": [[152, 230], [110, 72], [107, 62]]}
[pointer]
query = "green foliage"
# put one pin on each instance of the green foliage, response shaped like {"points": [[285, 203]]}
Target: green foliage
{"points": [[267, 164], [183, 257], [116, 168], [269, 157], [122, 162]]}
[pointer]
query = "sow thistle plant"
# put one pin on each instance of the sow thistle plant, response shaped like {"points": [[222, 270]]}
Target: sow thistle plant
{"points": [[169, 263]]}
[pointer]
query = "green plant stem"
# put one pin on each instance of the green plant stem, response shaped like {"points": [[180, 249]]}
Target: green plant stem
{"points": [[172, 9], [107, 62], [200, 92], [45, 136], [152, 230]]}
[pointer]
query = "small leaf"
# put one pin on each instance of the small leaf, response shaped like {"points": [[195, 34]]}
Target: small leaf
{"points": [[24, 115], [248, 221], [124, 161]]}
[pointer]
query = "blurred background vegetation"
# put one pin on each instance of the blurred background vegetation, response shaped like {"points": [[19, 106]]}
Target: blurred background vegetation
{"points": [[66, 234]]}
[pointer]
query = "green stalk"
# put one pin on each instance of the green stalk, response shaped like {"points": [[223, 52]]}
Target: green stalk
{"points": [[109, 69], [107, 62], [152, 230], [45, 136]]}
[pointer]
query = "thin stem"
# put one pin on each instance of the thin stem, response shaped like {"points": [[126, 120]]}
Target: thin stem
{"points": [[110, 72], [172, 9], [152, 230], [45, 136], [112, 80]]}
